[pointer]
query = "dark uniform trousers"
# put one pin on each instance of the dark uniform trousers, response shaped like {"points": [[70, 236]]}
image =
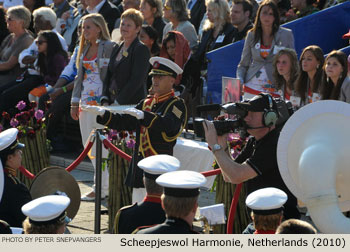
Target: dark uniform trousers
{"points": [[15, 195], [164, 119], [147, 213], [170, 226]]}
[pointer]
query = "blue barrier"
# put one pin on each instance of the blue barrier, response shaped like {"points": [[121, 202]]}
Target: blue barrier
{"points": [[324, 28]]}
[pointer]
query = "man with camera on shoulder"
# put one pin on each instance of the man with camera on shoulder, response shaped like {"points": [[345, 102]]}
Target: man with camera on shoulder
{"points": [[257, 163]]}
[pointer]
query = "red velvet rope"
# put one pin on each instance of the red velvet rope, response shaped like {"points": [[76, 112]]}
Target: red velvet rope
{"points": [[211, 173], [26, 173], [117, 151], [80, 158], [231, 216]]}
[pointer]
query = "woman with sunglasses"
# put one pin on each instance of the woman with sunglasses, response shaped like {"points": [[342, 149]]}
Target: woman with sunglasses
{"points": [[18, 19], [51, 61], [177, 13]]}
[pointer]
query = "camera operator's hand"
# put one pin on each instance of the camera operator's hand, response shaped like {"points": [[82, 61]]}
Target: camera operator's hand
{"points": [[212, 137]]}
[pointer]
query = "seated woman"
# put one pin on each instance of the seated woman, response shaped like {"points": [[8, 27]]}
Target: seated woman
{"points": [[255, 69], [18, 19], [178, 15], [308, 83], [51, 61], [125, 82], [152, 12], [335, 77], [15, 193], [285, 72]]}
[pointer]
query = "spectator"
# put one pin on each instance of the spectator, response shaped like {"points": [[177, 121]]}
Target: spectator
{"points": [[255, 70], [152, 12], [308, 83], [3, 25], [335, 76], [218, 30], [15, 193], [11, 3], [32, 5], [127, 4], [241, 12], [108, 10], [92, 60], [60, 7], [285, 72], [46, 215], [347, 36], [176, 12], [267, 209], [44, 19], [197, 10], [125, 82], [294, 226], [18, 19], [176, 48], [301, 8], [51, 61]]}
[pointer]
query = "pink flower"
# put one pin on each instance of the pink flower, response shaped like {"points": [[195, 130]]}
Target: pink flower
{"points": [[21, 105], [130, 144], [14, 122], [39, 114]]}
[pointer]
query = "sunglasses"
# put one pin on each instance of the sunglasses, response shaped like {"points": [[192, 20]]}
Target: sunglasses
{"points": [[40, 42], [167, 7]]}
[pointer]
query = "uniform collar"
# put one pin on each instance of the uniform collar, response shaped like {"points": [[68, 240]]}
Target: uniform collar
{"points": [[152, 198], [264, 232], [10, 171], [164, 97]]}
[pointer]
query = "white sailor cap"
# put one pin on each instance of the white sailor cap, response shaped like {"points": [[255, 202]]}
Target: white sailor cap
{"points": [[181, 183], [8, 141], [47, 209], [153, 166], [163, 66], [266, 201]]}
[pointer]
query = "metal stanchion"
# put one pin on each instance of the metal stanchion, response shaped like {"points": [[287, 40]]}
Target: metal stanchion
{"points": [[98, 182]]}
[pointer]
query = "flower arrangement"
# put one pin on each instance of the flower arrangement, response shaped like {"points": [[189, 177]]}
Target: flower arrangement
{"points": [[31, 126]]}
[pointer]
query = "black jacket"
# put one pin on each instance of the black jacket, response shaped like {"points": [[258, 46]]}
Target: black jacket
{"points": [[197, 12], [126, 80], [111, 13], [170, 226]]}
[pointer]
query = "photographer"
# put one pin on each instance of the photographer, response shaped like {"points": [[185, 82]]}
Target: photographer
{"points": [[257, 163]]}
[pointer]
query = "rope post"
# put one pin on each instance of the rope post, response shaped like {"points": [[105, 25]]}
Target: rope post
{"points": [[98, 182]]}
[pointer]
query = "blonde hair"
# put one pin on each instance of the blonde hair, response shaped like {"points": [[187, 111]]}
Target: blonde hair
{"points": [[221, 13], [178, 207], [100, 22], [134, 15]]}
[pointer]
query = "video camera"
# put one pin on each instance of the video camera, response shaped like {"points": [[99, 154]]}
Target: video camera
{"points": [[237, 124]]}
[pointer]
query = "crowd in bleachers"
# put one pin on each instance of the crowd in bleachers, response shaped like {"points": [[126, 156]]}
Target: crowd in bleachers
{"points": [[32, 67]]}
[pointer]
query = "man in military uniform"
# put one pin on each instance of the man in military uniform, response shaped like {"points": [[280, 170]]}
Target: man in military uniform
{"points": [[179, 200], [149, 211], [15, 193], [158, 120]]}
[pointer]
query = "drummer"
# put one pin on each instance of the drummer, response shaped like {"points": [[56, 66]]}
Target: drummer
{"points": [[15, 193]]}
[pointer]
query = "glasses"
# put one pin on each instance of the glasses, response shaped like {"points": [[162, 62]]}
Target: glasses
{"points": [[40, 42], [167, 7]]}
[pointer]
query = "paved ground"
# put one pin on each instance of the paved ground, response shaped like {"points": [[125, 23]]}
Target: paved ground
{"points": [[83, 223]]}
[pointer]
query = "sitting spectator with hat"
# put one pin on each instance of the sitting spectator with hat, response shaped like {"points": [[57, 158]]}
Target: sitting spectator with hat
{"points": [[267, 209], [15, 193], [180, 202], [158, 120], [149, 211], [46, 215]]}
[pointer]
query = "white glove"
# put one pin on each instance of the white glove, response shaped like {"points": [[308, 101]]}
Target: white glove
{"points": [[94, 109], [135, 112]]}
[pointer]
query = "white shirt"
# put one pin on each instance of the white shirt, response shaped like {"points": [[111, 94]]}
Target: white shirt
{"points": [[10, 3], [97, 7], [32, 50]]}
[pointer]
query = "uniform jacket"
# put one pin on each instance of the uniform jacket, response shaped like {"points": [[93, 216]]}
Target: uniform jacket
{"points": [[251, 60], [170, 226], [15, 195], [126, 80], [146, 213], [164, 123], [104, 50]]}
